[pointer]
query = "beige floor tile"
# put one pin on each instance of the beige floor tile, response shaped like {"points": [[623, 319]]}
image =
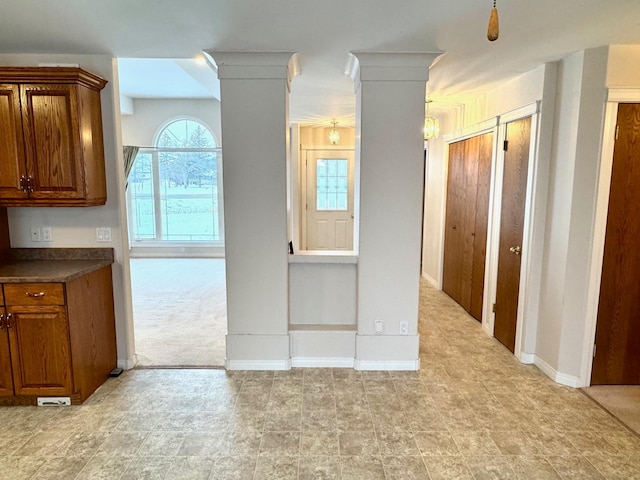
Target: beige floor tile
{"points": [[280, 444], [491, 468], [436, 443], [60, 467], [358, 443], [574, 468], [190, 468], [447, 468], [164, 444], [232, 468], [276, 468], [122, 443], [319, 468], [104, 467], [319, 443], [19, 468], [404, 468], [397, 444], [147, 468], [43, 443], [283, 421], [361, 467], [320, 420]]}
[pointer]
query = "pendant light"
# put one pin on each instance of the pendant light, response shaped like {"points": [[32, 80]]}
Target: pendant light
{"points": [[431, 125], [493, 32], [334, 135]]}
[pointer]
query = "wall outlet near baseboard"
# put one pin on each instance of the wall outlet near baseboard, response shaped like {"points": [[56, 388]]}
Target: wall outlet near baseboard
{"points": [[379, 327]]}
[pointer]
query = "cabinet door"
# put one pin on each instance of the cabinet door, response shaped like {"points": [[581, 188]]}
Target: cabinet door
{"points": [[39, 341], [52, 141], [6, 377], [12, 160]]}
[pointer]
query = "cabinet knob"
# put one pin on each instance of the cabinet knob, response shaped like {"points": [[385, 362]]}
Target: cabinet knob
{"points": [[35, 295], [8, 322], [2, 321]]}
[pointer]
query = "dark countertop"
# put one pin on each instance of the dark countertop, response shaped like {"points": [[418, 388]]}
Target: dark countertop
{"points": [[52, 264]]}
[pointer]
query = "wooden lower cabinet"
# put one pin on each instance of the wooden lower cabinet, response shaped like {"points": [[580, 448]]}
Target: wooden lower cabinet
{"points": [[58, 339]]}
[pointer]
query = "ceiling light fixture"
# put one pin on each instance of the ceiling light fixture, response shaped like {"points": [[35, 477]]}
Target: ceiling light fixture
{"points": [[431, 125], [334, 135], [493, 32]]}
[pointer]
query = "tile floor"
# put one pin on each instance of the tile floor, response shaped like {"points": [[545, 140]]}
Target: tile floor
{"points": [[472, 412]]}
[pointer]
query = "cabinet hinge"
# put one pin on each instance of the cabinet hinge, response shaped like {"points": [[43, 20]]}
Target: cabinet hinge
{"points": [[493, 308], [594, 350], [505, 145], [617, 131]]}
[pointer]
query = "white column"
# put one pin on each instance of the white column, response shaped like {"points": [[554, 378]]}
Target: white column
{"points": [[254, 89], [391, 94]]}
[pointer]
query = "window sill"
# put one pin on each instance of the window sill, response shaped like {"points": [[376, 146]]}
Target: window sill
{"points": [[324, 256]]}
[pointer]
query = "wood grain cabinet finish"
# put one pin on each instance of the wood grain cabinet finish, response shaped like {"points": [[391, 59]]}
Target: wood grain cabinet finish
{"points": [[52, 152], [57, 339]]}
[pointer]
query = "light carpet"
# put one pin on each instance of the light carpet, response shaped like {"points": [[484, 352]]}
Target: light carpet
{"points": [[623, 401], [179, 311]]}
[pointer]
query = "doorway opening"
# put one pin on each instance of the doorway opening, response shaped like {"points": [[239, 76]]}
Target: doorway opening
{"points": [[324, 191], [174, 214]]}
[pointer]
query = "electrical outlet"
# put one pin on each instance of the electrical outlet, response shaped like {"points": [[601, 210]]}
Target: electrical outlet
{"points": [[47, 234], [35, 234], [103, 234], [379, 327], [404, 328]]}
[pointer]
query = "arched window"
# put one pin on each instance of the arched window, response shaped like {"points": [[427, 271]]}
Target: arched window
{"points": [[175, 189]]}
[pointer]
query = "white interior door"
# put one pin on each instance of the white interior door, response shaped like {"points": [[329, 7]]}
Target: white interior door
{"points": [[329, 200]]}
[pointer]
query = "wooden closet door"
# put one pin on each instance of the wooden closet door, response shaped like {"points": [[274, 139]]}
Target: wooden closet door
{"points": [[458, 251], [466, 221], [514, 191], [483, 189], [617, 355]]}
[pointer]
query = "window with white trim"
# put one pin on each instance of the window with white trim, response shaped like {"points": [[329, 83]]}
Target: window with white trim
{"points": [[174, 190]]}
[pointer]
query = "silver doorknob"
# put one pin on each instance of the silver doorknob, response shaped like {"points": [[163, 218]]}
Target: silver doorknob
{"points": [[515, 250]]}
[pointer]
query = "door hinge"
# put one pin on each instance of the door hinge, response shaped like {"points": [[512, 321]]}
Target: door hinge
{"points": [[493, 308], [505, 145], [617, 131], [594, 350]]}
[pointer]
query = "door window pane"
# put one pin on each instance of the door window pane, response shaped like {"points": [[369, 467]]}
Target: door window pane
{"points": [[331, 184]]}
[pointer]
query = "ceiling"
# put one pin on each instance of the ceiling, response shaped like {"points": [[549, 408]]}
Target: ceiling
{"points": [[164, 36]]}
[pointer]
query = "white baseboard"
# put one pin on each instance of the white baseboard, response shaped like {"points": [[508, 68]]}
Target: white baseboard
{"points": [[527, 358], [558, 377], [127, 363], [258, 364], [430, 280], [403, 365], [322, 362]]}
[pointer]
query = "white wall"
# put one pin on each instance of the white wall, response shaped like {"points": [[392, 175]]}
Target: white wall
{"points": [[571, 211], [149, 115], [76, 227], [624, 66]]}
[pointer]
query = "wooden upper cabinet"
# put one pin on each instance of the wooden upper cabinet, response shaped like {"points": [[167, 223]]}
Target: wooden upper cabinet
{"points": [[12, 160], [54, 152]]}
